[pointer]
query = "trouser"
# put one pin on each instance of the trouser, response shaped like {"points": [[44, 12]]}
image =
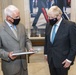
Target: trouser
{"points": [[21, 72], [57, 71]]}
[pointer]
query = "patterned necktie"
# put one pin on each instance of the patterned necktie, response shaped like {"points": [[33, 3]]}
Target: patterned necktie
{"points": [[53, 33], [14, 31]]}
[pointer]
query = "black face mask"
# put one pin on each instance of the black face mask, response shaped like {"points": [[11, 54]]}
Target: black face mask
{"points": [[53, 21], [16, 21]]}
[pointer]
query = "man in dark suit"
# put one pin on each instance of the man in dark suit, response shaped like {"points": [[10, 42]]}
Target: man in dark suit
{"points": [[59, 49], [13, 38]]}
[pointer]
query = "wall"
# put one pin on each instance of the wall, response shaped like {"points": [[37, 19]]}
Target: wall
{"points": [[73, 10], [3, 4], [0, 11]]}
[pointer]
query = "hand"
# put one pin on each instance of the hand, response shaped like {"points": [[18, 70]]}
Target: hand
{"points": [[66, 64], [31, 50], [10, 55]]}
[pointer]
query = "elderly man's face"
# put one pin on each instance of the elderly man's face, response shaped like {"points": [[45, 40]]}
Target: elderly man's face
{"points": [[15, 18]]}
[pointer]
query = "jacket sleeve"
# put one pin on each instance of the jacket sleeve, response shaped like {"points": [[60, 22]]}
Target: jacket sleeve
{"points": [[72, 35], [45, 45], [3, 53], [28, 43]]}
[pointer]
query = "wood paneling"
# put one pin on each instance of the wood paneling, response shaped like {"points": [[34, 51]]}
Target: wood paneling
{"points": [[38, 42]]}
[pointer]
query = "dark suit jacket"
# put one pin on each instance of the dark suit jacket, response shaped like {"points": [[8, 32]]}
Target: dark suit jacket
{"points": [[9, 43], [64, 45]]}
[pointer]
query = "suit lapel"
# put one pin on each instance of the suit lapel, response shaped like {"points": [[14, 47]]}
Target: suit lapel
{"points": [[18, 32], [9, 31]]}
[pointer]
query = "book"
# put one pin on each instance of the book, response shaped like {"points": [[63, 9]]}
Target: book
{"points": [[22, 53]]}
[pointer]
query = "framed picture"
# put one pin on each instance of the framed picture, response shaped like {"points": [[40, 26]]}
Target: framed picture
{"points": [[38, 15]]}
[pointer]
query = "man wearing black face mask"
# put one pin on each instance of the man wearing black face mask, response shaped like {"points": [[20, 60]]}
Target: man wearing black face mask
{"points": [[16, 21], [53, 21], [13, 38], [60, 43]]}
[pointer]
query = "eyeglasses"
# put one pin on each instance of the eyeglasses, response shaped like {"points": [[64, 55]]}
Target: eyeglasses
{"points": [[15, 17]]}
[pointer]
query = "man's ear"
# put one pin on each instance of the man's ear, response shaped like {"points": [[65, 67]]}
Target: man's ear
{"points": [[9, 19]]}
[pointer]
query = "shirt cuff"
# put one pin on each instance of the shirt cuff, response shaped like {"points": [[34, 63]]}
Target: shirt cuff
{"points": [[68, 61], [45, 55]]}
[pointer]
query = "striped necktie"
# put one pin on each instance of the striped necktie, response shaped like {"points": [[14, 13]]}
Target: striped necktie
{"points": [[14, 31]]}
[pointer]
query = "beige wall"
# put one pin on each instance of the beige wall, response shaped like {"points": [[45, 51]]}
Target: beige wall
{"points": [[0, 12], [73, 10], [3, 4]]}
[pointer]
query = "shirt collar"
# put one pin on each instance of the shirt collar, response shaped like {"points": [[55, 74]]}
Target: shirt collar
{"points": [[10, 25]]}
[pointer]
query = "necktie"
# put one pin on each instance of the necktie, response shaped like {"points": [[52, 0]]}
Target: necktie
{"points": [[53, 33], [14, 31]]}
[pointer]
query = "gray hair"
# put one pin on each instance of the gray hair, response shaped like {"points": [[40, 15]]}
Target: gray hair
{"points": [[8, 11]]}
